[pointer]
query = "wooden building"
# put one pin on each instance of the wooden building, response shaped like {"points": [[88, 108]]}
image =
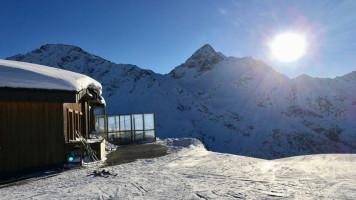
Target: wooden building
{"points": [[41, 110]]}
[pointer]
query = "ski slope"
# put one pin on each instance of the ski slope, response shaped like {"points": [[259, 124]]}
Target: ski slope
{"points": [[192, 172]]}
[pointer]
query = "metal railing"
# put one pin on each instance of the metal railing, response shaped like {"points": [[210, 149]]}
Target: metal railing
{"points": [[126, 128]]}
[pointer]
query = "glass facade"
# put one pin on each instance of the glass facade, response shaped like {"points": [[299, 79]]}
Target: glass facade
{"points": [[124, 129]]}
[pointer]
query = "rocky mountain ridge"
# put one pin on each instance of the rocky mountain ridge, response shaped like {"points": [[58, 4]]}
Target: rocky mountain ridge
{"points": [[233, 105]]}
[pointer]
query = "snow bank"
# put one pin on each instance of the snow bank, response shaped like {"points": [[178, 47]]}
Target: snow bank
{"points": [[16, 74], [180, 143]]}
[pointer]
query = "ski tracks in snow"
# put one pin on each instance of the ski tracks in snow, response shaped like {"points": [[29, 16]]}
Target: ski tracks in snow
{"points": [[194, 173]]}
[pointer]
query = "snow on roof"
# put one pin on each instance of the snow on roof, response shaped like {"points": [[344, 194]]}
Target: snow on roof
{"points": [[16, 74]]}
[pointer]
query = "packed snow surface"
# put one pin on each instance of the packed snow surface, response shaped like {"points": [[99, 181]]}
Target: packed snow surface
{"points": [[192, 172], [16, 74]]}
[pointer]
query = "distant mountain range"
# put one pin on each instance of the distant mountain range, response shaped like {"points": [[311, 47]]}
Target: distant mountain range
{"points": [[233, 105]]}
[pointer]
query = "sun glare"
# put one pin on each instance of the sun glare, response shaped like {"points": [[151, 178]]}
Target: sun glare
{"points": [[288, 47]]}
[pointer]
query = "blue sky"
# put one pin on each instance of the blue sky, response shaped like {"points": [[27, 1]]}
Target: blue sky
{"points": [[160, 35]]}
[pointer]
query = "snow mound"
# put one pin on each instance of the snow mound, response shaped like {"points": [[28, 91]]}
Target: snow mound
{"points": [[16, 74], [181, 142]]}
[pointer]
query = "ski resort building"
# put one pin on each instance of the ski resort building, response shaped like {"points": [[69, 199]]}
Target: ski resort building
{"points": [[43, 112]]}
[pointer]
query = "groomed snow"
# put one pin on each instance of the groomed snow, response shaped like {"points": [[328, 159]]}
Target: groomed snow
{"points": [[191, 172], [16, 74]]}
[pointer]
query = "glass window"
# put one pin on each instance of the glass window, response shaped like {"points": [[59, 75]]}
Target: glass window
{"points": [[112, 123], [138, 135], [100, 124], [125, 135], [149, 121], [98, 111], [70, 126], [117, 123], [125, 122], [127, 128], [149, 135], [137, 121]]}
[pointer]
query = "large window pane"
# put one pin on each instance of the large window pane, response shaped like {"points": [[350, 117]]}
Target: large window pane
{"points": [[137, 121], [149, 135], [100, 124], [138, 135], [117, 122], [149, 121], [120, 137], [111, 123], [125, 135], [125, 122]]}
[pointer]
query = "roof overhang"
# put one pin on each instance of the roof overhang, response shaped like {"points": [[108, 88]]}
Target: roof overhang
{"points": [[45, 95], [37, 95]]}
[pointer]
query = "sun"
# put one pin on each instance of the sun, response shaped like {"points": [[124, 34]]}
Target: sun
{"points": [[288, 47]]}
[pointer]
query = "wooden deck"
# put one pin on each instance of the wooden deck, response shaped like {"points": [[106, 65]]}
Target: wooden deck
{"points": [[130, 153]]}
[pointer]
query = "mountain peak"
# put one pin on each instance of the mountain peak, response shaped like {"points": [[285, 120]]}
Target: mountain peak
{"points": [[205, 56], [206, 48], [63, 51], [61, 56], [60, 47], [203, 52], [202, 60]]}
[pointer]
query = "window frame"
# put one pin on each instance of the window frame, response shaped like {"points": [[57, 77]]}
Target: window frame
{"points": [[1, 130]]}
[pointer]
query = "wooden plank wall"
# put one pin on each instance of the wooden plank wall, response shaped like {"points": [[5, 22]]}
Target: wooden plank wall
{"points": [[32, 135], [75, 107]]}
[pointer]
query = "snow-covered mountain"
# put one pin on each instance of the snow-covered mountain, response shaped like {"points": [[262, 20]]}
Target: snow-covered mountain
{"points": [[234, 105]]}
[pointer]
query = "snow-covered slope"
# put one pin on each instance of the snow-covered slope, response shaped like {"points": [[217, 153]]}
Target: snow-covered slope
{"points": [[235, 105], [191, 172]]}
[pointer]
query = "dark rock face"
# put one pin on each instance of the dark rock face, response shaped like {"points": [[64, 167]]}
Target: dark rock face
{"points": [[202, 60]]}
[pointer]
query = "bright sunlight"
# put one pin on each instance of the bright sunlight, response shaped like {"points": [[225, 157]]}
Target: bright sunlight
{"points": [[288, 47]]}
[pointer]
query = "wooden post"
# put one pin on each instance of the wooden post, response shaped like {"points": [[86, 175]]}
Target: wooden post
{"points": [[143, 127], [154, 120], [106, 126], [119, 125], [132, 137], [81, 154]]}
